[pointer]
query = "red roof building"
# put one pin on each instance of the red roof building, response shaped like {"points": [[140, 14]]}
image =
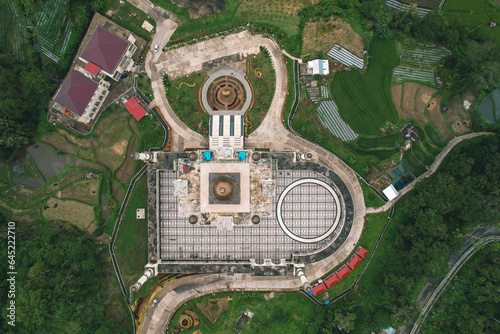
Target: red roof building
{"points": [[105, 50], [362, 252], [92, 68], [135, 108], [319, 289], [354, 262], [76, 92], [331, 281], [343, 272]]}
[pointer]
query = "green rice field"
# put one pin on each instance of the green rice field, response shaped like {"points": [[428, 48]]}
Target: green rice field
{"points": [[52, 29], [12, 24], [364, 99]]}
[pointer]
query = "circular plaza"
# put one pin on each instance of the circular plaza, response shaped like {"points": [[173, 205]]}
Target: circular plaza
{"points": [[226, 91]]}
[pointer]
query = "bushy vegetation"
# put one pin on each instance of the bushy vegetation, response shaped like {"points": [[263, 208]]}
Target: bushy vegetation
{"points": [[57, 283], [25, 93]]}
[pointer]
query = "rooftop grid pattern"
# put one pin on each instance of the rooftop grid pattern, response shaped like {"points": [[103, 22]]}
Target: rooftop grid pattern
{"points": [[181, 241]]}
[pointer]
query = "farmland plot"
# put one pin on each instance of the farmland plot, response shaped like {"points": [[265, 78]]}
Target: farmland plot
{"points": [[12, 31], [52, 29], [418, 62]]}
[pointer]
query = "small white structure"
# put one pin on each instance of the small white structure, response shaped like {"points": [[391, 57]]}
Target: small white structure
{"points": [[268, 188], [390, 192], [180, 188], [140, 213], [319, 66], [225, 223]]}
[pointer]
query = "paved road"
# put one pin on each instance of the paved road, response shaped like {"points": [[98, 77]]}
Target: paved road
{"points": [[432, 290], [435, 165]]}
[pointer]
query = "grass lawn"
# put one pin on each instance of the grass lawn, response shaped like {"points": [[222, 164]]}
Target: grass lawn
{"points": [[378, 142], [286, 312], [184, 98], [262, 78], [151, 133], [130, 17], [371, 198], [290, 98], [364, 99], [373, 227], [131, 247], [144, 84]]}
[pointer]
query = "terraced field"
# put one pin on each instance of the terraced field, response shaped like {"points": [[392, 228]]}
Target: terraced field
{"points": [[418, 62], [52, 29]]}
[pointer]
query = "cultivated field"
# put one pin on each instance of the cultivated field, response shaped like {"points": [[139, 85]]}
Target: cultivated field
{"points": [[52, 28], [102, 152], [364, 100], [12, 25], [418, 62], [320, 37]]}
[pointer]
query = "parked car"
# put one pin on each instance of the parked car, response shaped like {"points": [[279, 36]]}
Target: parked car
{"points": [[153, 303], [156, 48]]}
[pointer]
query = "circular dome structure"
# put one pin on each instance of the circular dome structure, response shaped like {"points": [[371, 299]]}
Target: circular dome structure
{"points": [[193, 156], [298, 225], [193, 219], [224, 188], [255, 219]]}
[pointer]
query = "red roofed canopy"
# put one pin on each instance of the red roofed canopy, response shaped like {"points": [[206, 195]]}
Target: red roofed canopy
{"points": [[105, 49], [135, 108], [362, 252], [319, 289], [331, 281], [76, 92], [92, 68], [354, 262], [343, 272]]}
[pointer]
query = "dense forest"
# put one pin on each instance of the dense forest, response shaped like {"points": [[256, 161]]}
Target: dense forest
{"points": [[471, 303], [427, 225], [57, 281]]}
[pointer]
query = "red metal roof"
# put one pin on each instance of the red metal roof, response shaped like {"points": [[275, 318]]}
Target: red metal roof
{"points": [[92, 68], [354, 262], [135, 108], [76, 92], [319, 289], [343, 272], [362, 252], [105, 49], [331, 281]]}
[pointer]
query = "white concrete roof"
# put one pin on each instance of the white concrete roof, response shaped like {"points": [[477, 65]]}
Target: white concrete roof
{"points": [[390, 192], [319, 66]]}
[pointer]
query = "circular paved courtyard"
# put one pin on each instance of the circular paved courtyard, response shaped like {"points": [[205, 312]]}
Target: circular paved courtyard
{"points": [[226, 91]]}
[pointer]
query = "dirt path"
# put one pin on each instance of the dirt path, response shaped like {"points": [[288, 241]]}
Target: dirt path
{"points": [[435, 165]]}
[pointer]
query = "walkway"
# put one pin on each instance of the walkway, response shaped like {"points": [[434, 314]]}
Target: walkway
{"points": [[435, 165]]}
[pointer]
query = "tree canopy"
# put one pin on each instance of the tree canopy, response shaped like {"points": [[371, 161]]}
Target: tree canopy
{"points": [[57, 282]]}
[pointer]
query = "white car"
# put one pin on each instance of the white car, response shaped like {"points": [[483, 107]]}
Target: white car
{"points": [[156, 48], [153, 302]]}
